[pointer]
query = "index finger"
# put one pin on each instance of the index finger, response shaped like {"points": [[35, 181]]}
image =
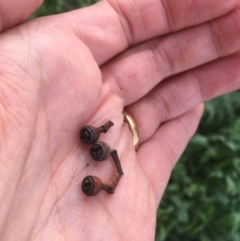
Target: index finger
{"points": [[110, 27], [13, 12]]}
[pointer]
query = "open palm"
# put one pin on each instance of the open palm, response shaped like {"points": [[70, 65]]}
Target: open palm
{"points": [[61, 72]]}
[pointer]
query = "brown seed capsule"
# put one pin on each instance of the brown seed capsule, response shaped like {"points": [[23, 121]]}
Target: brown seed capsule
{"points": [[101, 151], [91, 134], [92, 185]]}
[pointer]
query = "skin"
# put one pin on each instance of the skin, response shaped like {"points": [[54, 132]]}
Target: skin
{"points": [[158, 59], [16, 11]]}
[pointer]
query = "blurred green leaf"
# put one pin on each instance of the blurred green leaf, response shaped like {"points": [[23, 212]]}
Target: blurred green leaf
{"points": [[50, 7], [205, 184]]}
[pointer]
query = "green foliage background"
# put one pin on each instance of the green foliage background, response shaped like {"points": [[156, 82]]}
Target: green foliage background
{"points": [[202, 200]]}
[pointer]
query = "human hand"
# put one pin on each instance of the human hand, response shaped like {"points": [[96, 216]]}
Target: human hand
{"points": [[59, 73]]}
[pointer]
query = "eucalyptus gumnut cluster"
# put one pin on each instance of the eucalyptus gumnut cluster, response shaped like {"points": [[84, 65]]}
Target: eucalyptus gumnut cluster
{"points": [[99, 151]]}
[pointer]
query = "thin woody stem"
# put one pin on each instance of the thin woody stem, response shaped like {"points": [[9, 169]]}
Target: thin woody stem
{"points": [[109, 188], [106, 127], [117, 162]]}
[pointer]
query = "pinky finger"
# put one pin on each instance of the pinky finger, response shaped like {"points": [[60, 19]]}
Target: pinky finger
{"points": [[159, 154]]}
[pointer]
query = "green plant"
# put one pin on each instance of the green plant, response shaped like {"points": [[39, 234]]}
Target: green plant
{"points": [[202, 199], [59, 6]]}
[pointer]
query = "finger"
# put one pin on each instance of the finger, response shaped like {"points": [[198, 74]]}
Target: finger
{"points": [[14, 12], [159, 154], [110, 27], [147, 64], [181, 93]]}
